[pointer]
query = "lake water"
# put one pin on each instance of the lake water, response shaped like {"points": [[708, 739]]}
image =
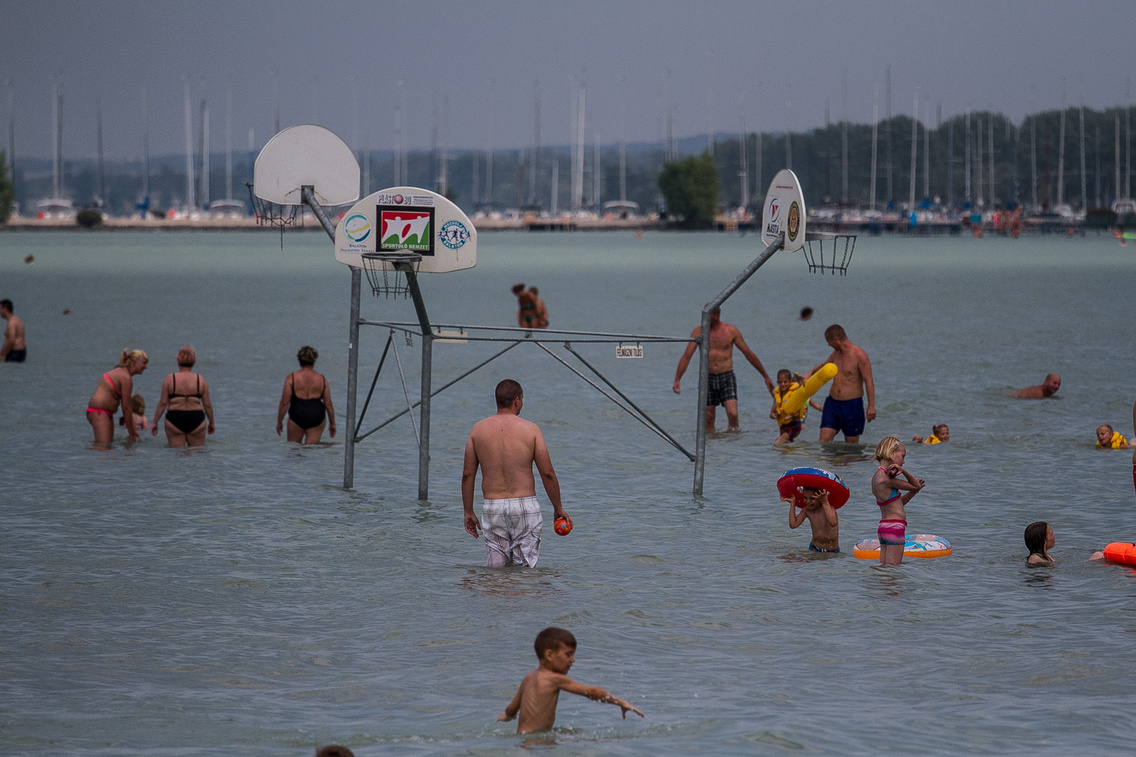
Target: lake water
{"points": [[236, 600]]}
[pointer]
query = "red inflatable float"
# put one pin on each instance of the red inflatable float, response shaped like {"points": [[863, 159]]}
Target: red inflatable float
{"points": [[789, 484]]}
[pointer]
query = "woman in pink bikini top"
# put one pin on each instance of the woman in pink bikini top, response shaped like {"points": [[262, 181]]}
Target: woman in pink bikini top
{"points": [[115, 384]]}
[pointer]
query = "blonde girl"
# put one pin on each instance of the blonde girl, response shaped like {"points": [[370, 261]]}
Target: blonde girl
{"points": [[894, 487]]}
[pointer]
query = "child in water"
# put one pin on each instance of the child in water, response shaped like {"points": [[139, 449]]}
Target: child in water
{"points": [[789, 424], [1110, 439], [887, 486], [821, 515], [540, 691], [939, 433], [1040, 539], [138, 408]]}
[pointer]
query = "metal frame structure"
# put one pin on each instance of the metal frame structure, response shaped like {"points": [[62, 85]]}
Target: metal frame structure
{"points": [[515, 336]]}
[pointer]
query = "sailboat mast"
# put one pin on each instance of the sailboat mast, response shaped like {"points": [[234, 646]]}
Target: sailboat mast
{"points": [[100, 188], [189, 199]]}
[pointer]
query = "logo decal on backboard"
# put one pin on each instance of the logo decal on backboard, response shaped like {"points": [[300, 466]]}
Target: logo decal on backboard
{"points": [[773, 227], [357, 227], [406, 229], [794, 221], [453, 235]]}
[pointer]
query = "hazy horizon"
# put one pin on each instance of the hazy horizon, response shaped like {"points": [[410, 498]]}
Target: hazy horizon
{"points": [[471, 71]]}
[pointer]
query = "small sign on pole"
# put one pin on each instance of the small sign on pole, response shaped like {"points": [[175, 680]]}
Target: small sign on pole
{"points": [[624, 351]]}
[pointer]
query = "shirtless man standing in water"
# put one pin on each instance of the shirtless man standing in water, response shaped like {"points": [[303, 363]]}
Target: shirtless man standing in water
{"points": [[506, 447], [15, 349], [844, 406], [723, 385]]}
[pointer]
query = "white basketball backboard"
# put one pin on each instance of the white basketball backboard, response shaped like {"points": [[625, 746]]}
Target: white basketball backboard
{"points": [[306, 155], [784, 213], [408, 219]]}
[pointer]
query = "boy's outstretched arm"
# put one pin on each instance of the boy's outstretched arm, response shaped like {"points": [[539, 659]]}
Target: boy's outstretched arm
{"points": [[597, 694], [511, 711]]}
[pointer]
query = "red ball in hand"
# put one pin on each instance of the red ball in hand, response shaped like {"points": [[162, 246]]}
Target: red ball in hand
{"points": [[563, 526]]}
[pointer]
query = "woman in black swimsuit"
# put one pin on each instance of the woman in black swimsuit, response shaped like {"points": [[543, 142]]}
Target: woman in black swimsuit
{"points": [[307, 401], [187, 395]]}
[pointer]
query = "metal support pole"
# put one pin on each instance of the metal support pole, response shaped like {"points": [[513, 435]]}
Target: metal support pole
{"points": [[352, 381], [307, 194], [424, 397], [704, 357]]}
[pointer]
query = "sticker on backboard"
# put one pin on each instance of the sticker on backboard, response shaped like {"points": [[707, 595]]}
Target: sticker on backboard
{"points": [[784, 215], [408, 219], [406, 228]]}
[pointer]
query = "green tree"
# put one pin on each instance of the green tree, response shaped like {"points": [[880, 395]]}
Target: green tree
{"points": [[691, 187], [7, 191]]}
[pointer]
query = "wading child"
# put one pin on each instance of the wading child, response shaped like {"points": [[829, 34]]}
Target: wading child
{"points": [[892, 493], [939, 433], [1110, 439], [821, 516], [789, 424], [1040, 539], [138, 408], [540, 691]]}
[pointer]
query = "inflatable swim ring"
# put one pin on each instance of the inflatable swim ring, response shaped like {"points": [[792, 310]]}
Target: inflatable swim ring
{"points": [[919, 545], [794, 478], [795, 401], [1121, 552]]}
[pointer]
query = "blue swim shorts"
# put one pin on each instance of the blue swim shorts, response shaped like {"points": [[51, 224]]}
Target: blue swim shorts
{"points": [[844, 415]]}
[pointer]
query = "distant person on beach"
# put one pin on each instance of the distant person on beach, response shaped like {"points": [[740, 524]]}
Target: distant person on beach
{"points": [[1110, 439], [539, 692], [806, 314], [892, 493], [723, 385], [506, 447], [541, 308], [940, 433], [1040, 539], [15, 348], [1042, 391], [187, 396], [526, 307], [138, 410], [844, 406], [115, 384], [307, 401], [821, 516], [789, 424]]}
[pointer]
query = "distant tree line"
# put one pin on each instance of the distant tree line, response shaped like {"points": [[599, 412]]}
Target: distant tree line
{"points": [[985, 159]]}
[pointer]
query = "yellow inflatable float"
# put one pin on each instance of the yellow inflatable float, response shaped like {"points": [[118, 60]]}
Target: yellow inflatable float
{"points": [[797, 399]]}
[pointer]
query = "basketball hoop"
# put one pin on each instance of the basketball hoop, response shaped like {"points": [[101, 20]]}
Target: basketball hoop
{"points": [[271, 214], [839, 254], [390, 281]]}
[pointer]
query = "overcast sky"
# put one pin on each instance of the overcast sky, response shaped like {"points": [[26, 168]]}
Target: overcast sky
{"points": [[472, 66]]}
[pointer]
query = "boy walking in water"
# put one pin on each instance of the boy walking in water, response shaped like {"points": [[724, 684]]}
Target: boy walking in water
{"points": [[814, 505], [540, 691]]}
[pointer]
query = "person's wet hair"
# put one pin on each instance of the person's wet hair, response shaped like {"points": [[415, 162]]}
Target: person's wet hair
{"points": [[551, 638], [1035, 537]]}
